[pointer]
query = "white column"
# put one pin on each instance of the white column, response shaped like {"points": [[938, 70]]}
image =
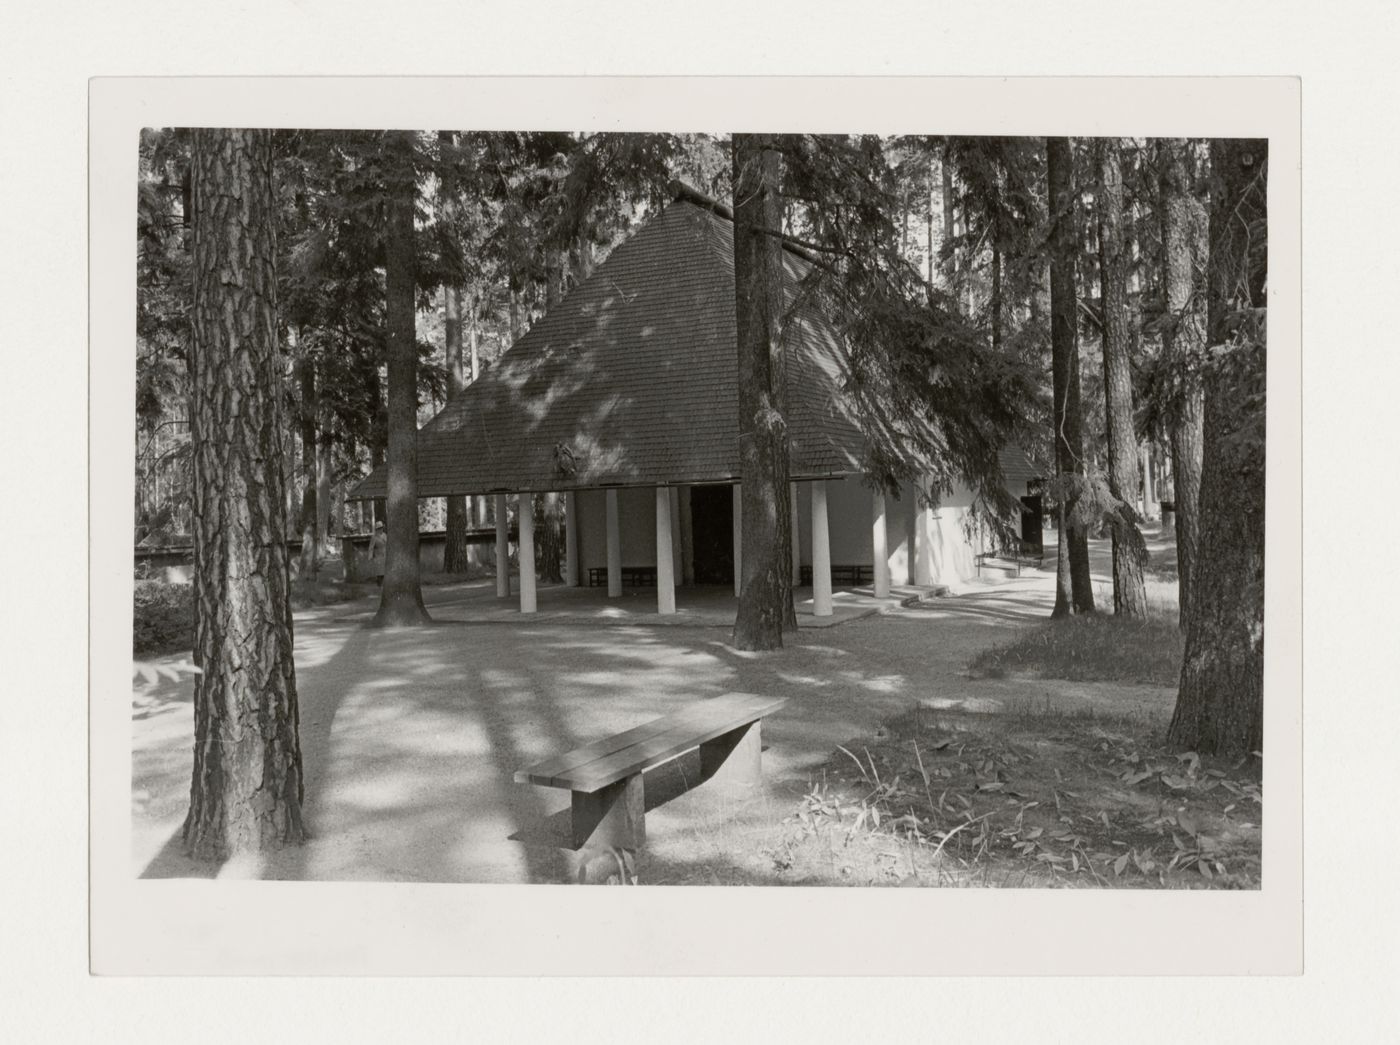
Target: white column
{"points": [[909, 516], [1151, 509], [821, 553], [571, 539], [880, 553], [796, 540], [502, 548], [525, 551], [614, 548], [738, 514], [923, 542], [665, 564]]}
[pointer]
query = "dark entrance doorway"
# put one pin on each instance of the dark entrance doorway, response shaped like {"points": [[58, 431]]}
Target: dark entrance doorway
{"points": [[712, 533], [1031, 518]]}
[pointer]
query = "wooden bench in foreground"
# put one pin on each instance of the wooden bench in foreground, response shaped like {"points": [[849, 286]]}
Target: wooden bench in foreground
{"points": [[1012, 556], [606, 776]]}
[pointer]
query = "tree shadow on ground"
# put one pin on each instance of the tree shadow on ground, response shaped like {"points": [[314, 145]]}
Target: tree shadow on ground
{"points": [[411, 738]]}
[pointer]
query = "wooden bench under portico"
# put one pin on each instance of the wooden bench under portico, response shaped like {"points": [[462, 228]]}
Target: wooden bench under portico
{"points": [[1011, 556], [606, 776]]}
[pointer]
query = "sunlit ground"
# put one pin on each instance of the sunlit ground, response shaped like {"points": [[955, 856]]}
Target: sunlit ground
{"points": [[411, 738]]}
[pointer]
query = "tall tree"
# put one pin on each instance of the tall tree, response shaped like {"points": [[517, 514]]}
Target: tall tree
{"points": [[765, 599], [308, 409], [455, 556], [1184, 262], [246, 790], [1074, 587], [401, 598], [1220, 705], [1129, 551]]}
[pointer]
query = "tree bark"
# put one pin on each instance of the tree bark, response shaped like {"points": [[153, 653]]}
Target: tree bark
{"points": [[246, 789], [456, 554], [950, 261], [1064, 587], [1220, 705], [1184, 262], [325, 466], [1129, 550], [1064, 340], [765, 599], [310, 503], [995, 303], [378, 440], [551, 538], [401, 598]]}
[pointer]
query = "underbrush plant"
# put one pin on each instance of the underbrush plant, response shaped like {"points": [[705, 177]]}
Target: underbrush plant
{"points": [[1013, 803], [1094, 647], [162, 617]]}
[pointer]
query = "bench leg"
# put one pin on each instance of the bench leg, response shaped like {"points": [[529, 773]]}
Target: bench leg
{"points": [[734, 759], [611, 816]]}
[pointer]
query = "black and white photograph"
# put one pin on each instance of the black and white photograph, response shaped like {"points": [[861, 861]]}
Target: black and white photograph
{"points": [[700, 509], [749, 516]]}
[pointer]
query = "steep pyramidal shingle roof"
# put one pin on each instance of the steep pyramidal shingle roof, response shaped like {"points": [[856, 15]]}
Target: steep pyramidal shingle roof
{"points": [[1017, 467], [631, 380]]}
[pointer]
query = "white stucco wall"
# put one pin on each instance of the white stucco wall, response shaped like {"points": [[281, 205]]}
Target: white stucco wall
{"points": [[942, 556], [636, 523]]}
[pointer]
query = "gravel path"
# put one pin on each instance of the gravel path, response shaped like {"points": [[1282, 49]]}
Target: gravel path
{"points": [[411, 738]]}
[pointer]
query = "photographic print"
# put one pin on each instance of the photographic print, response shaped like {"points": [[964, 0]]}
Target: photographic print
{"points": [[769, 511]]}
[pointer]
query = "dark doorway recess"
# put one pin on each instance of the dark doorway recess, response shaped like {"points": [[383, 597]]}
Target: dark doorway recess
{"points": [[1031, 515], [712, 533]]}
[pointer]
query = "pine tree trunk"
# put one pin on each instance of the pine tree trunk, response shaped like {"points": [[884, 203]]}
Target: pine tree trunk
{"points": [[323, 491], [246, 789], [401, 598], [765, 600], [1185, 258], [378, 440], [1064, 340], [930, 259], [995, 305], [551, 537], [1220, 705], [1064, 588], [1129, 550], [310, 507], [950, 262], [476, 508], [456, 554]]}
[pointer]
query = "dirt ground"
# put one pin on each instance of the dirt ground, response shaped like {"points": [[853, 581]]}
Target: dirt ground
{"points": [[411, 738]]}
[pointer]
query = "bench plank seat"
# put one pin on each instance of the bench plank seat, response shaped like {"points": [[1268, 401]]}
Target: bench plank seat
{"points": [[632, 576], [647, 746], [1011, 557], [606, 775], [686, 733]]}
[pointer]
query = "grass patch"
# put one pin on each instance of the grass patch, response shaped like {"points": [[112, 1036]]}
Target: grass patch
{"points": [[1162, 567], [1042, 797], [1096, 647], [307, 594]]}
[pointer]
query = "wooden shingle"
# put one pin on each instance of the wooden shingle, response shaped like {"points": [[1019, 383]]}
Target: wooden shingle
{"points": [[631, 381]]}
